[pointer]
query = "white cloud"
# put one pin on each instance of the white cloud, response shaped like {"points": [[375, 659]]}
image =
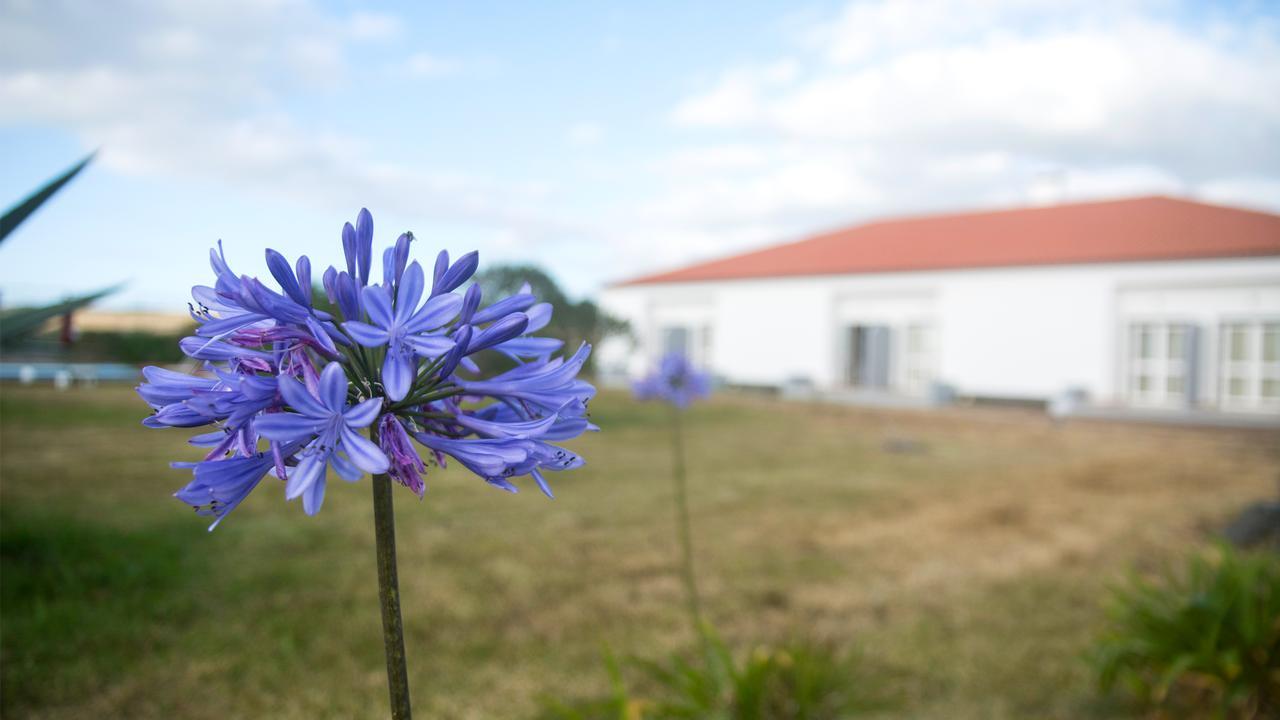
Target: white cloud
{"points": [[866, 31], [1262, 193], [738, 98], [423, 64], [904, 105], [712, 159], [584, 134], [374, 26], [176, 89]]}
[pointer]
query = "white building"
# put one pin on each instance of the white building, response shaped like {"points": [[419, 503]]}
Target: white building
{"points": [[1142, 303]]}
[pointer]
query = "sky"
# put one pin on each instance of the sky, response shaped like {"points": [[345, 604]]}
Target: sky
{"points": [[599, 140]]}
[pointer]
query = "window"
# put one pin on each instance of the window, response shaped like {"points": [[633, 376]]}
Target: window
{"points": [[917, 359], [1271, 363], [1250, 364], [1162, 363], [675, 339], [704, 351]]}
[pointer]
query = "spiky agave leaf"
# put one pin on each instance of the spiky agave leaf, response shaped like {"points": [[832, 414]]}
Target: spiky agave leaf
{"points": [[16, 325], [14, 216]]}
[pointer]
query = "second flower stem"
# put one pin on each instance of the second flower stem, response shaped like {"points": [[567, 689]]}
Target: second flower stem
{"points": [[683, 526]]}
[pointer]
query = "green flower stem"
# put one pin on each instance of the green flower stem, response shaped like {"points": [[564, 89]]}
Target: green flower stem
{"points": [[384, 527], [683, 526], [428, 415], [439, 394]]}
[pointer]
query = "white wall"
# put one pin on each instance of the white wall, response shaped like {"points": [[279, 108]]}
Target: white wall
{"points": [[1002, 332]]}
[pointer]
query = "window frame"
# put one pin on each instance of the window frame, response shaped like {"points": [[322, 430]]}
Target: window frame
{"points": [[1158, 367], [1254, 371]]}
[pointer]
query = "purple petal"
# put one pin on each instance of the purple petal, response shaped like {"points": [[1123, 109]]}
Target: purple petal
{"points": [[435, 313], [522, 429], [378, 304], [295, 395], [207, 439], [363, 452], [458, 273], [333, 387], [313, 498], [283, 273], [528, 347], [462, 338], [400, 256], [363, 414], [432, 346], [287, 427], [302, 477], [505, 306], [397, 374], [321, 336], [539, 316], [442, 266], [225, 326], [542, 484], [499, 332], [345, 468], [349, 248], [409, 292], [364, 243], [366, 334], [388, 271], [348, 296], [330, 280], [470, 303], [304, 279]]}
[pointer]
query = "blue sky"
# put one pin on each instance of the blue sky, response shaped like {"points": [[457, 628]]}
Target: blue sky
{"points": [[599, 140]]}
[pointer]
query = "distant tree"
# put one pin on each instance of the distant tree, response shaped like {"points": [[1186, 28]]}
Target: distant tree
{"points": [[572, 322]]}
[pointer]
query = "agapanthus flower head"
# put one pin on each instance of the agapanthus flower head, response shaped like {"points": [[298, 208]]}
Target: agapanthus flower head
{"points": [[292, 389], [675, 380]]}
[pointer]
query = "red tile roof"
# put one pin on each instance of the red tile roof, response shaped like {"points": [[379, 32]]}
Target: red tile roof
{"points": [[1138, 229]]}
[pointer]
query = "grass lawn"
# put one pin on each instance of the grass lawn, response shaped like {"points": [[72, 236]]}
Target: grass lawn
{"points": [[968, 568]]}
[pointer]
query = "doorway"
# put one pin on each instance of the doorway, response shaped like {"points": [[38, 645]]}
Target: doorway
{"points": [[868, 356]]}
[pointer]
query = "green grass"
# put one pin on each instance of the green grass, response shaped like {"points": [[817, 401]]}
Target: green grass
{"points": [[1204, 639], [971, 574], [70, 595]]}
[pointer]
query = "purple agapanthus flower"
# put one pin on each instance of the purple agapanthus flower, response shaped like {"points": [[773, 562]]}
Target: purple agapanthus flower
{"points": [[291, 389], [404, 330], [674, 380]]}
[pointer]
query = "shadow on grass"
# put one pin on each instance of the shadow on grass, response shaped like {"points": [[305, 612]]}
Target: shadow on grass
{"points": [[83, 602]]}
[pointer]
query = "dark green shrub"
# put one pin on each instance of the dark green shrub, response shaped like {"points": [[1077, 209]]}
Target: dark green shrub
{"points": [[1205, 640], [136, 348]]}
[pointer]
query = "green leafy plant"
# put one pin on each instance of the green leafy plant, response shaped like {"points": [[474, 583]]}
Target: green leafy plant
{"points": [[799, 680], [20, 324], [1204, 640]]}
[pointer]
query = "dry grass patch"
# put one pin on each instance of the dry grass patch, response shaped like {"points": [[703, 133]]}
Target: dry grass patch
{"points": [[964, 551]]}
